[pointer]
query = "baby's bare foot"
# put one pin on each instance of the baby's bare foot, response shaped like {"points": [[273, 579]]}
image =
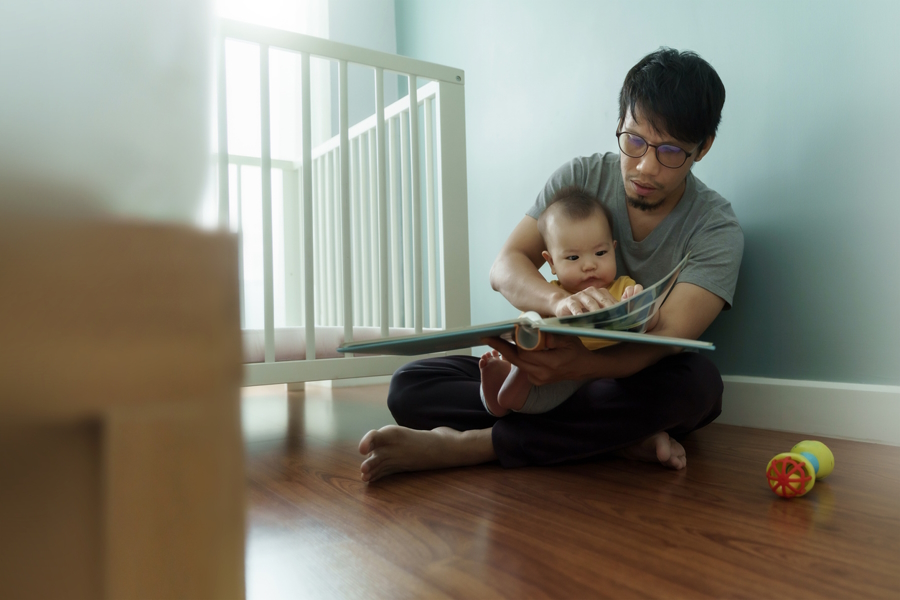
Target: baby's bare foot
{"points": [[657, 448], [394, 449], [494, 371], [515, 389]]}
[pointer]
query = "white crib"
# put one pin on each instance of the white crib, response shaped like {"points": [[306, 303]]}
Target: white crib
{"points": [[373, 222]]}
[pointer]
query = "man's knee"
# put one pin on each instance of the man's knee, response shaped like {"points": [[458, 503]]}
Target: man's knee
{"points": [[409, 385], [699, 374], [698, 386], [399, 396]]}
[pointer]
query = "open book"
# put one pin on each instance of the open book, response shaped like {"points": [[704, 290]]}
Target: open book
{"points": [[623, 322]]}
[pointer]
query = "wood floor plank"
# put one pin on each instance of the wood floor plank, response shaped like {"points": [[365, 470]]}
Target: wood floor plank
{"points": [[599, 528]]}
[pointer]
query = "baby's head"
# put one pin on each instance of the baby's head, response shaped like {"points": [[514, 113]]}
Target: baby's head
{"points": [[577, 232]]}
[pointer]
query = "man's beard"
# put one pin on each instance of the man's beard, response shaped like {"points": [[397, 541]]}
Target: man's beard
{"points": [[643, 205]]}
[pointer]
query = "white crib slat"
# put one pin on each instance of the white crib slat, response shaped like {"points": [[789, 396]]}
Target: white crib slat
{"points": [[406, 203], [321, 241], [336, 275], [328, 269], [292, 239], [337, 290], [372, 251], [430, 236], [355, 228], [362, 236], [396, 274], [266, 156], [319, 233], [240, 232], [345, 203], [382, 202], [451, 179], [223, 138], [308, 269], [327, 206], [416, 200]]}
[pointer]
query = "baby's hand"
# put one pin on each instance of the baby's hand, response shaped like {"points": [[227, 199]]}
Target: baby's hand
{"points": [[632, 290], [587, 300]]}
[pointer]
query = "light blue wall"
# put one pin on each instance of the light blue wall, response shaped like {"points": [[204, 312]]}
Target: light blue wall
{"points": [[807, 152]]}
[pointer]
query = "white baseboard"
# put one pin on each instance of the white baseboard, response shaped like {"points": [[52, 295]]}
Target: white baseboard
{"points": [[353, 382], [869, 413]]}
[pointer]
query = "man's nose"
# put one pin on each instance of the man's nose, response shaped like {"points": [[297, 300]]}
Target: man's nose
{"points": [[648, 163]]}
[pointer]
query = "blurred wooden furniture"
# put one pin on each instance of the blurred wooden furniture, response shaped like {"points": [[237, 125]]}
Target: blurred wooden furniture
{"points": [[121, 469]]}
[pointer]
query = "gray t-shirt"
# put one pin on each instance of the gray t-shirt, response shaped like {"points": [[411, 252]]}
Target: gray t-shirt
{"points": [[702, 222]]}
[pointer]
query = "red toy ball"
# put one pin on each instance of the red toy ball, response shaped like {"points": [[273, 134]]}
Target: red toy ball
{"points": [[790, 475]]}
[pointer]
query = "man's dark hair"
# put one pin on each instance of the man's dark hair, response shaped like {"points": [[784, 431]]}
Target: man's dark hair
{"points": [[678, 93], [575, 204]]}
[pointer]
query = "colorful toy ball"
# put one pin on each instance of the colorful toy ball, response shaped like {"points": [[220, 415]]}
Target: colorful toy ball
{"points": [[822, 457], [792, 474]]}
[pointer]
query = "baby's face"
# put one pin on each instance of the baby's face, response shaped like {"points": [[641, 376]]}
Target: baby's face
{"points": [[581, 253]]}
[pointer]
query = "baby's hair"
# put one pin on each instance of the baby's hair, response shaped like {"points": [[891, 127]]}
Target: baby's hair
{"points": [[575, 204]]}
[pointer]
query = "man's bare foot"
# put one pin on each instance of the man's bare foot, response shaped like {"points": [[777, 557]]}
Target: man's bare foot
{"points": [[494, 371], [393, 449], [514, 391], [657, 448]]}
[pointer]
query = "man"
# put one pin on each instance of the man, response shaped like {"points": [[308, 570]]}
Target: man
{"points": [[641, 395]]}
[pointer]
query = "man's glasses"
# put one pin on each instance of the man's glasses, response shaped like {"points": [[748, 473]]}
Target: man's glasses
{"points": [[635, 146]]}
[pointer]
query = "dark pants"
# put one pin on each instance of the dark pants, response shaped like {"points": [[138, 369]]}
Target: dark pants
{"points": [[677, 395]]}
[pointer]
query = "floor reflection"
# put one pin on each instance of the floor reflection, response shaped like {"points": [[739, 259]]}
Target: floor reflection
{"points": [[264, 413], [290, 434], [271, 413]]}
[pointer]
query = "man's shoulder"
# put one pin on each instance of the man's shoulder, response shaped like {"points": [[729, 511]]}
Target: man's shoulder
{"points": [[598, 174], [600, 161], [710, 203]]}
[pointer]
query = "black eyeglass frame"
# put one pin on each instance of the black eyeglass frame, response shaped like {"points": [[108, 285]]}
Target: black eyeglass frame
{"points": [[648, 145]]}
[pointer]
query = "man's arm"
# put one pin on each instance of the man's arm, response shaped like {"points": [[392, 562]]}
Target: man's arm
{"points": [[687, 312], [515, 275], [515, 271]]}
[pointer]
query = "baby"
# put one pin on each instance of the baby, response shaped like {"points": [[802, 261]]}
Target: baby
{"points": [[577, 233]]}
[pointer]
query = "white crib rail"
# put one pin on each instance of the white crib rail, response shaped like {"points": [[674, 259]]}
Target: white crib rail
{"points": [[359, 201]]}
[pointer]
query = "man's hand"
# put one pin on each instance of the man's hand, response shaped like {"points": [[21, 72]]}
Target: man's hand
{"points": [[687, 312], [586, 300], [565, 357]]}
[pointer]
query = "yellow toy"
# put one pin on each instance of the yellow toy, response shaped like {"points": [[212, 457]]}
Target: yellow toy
{"points": [[794, 473]]}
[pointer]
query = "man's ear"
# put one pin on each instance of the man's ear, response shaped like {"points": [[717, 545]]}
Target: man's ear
{"points": [[615, 244], [706, 146], [549, 260]]}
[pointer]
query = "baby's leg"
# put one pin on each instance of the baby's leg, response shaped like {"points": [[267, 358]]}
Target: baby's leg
{"points": [[514, 391], [494, 371]]}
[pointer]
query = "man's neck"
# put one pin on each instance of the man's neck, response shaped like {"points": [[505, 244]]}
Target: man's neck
{"points": [[643, 222]]}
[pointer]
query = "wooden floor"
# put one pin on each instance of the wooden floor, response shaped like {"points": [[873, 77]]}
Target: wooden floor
{"points": [[605, 528]]}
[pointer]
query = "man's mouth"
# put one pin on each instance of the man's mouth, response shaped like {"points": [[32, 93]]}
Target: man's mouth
{"points": [[643, 189]]}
